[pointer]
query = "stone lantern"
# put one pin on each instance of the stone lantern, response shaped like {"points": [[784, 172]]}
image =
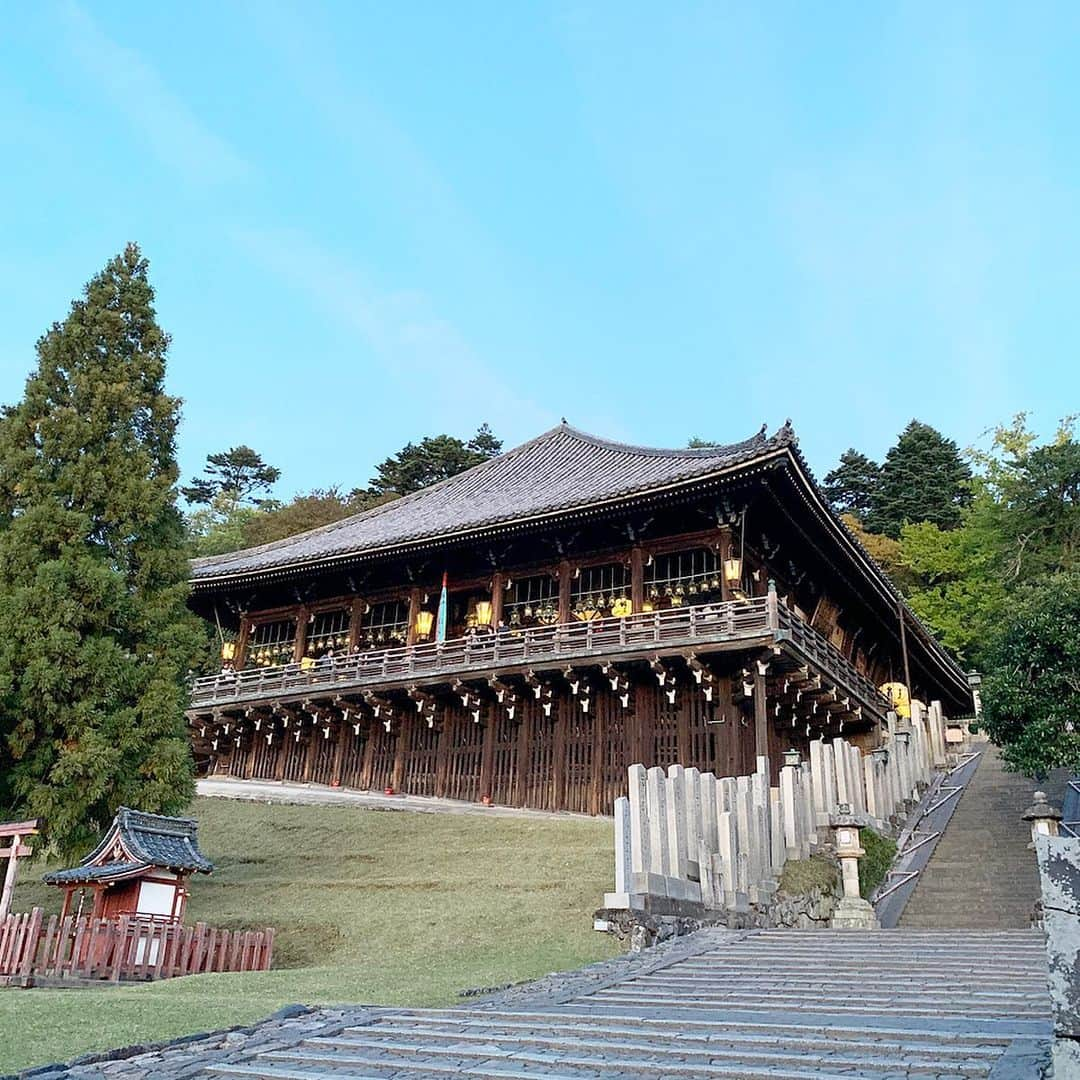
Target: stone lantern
{"points": [[853, 912], [1043, 817]]}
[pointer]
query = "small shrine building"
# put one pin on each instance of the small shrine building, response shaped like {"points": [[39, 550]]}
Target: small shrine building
{"points": [[141, 867]]}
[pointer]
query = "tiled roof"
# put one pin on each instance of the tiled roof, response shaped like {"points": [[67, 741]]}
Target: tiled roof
{"points": [[562, 470], [110, 871], [147, 840]]}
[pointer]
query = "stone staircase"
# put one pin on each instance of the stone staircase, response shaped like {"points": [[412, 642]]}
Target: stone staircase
{"points": [[981, 874], [782, 1005]]}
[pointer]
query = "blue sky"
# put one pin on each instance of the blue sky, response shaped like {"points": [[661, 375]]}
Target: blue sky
{"points": [[368, 221]]}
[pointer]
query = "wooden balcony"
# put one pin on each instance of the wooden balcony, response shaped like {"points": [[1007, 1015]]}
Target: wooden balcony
{"points": [[737, 625]]}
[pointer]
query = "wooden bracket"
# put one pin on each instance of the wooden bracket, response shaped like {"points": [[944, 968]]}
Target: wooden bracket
{"points": [[620, 682], [505, 695]]}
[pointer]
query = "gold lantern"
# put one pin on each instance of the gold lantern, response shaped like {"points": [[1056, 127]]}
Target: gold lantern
{"points": [[732, 571], [483, 612], [424, 622], [228, 650]]}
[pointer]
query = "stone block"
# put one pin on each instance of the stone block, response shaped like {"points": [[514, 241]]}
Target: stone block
{"points": [[1059, 876]]}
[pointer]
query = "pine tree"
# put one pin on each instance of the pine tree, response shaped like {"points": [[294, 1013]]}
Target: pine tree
{"points": [[235, 475], [924, 478], [95, 637], [851, 486], [434, 458]]}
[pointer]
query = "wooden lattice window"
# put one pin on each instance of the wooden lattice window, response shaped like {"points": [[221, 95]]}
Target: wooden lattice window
{"points": [[328, 632], [531, 601], [682, 577], [385, 625], [599, 591], [272, 643]]}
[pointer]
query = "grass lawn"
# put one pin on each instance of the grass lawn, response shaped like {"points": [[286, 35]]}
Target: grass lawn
{"points": [[369, 906]]}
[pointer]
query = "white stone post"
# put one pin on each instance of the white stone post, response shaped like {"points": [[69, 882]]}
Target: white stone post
{"points": [[658, 821], [640, 858], [678, 854]]}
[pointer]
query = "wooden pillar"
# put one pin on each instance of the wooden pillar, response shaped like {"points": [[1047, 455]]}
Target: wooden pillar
{"points": [[369, 756], [415, 600], [339, 750], [684, 750], [309, 757], [637, 577], [398, 773], [356, 618], [302, 616], [564, 591], [442, 754], [487, 753], [498, 590], [761, 716], [240, 656], [599, 746], [558, 752], [524, 758]]}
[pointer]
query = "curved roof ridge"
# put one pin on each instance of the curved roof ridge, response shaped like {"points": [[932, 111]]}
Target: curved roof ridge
{"points": [[465, 478], [375, 511]]}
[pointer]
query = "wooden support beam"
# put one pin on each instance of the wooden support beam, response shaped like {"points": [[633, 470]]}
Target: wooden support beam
{"points": [[303, 615], [637, 577], [564, 591], [498, 593]]}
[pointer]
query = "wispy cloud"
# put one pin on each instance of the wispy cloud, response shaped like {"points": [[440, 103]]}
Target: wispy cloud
{"points": [[171, 130], [402, 332]]}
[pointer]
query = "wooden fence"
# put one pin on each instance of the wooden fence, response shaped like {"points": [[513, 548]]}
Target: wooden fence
{"points": [[128, 948]]}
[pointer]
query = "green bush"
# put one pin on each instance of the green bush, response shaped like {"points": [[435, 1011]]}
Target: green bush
{"points": [[874, 865]]}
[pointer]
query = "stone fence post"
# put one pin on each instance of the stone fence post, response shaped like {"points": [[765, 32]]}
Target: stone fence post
{"points": [[1059, 875]]}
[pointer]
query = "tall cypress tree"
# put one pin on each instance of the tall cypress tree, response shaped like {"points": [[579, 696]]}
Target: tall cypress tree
{"points": [[95, 637], [923, 478]]}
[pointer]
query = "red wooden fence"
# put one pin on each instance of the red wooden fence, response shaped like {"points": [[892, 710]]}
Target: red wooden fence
{"points": [[127, 948]]}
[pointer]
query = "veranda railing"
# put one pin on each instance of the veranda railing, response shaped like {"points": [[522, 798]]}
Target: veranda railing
{"points": [[762, 618]]}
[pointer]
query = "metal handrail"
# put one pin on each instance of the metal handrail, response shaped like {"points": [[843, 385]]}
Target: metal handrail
{"points": [[702, 623]]}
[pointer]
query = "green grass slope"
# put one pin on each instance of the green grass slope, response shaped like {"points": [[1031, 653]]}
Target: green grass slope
{"points": [[369, 906]]}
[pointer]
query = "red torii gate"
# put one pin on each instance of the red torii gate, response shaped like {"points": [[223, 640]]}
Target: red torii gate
{"points": [[16, 850]]}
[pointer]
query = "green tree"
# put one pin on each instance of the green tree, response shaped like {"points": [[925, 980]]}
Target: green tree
{"points": [[95, 636], [923, 478], [1031, 696], [235, 475], [853, 484], [309, 510], [434, 458]]}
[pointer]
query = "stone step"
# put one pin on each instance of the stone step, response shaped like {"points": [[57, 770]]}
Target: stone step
{"points": [[581, 1013], [832, 982], [934, 1007], [608, 1056], [788, 1047]]}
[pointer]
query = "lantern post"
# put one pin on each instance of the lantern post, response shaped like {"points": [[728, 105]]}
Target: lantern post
{"points": [[852, 912]]}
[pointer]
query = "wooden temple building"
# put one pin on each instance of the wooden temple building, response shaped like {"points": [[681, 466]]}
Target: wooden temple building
{"points": [[140, 867], [606, 604]]}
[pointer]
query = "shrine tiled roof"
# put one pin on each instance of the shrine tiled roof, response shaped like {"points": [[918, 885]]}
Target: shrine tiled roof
{"points": [[135, 842], [562, 470]]}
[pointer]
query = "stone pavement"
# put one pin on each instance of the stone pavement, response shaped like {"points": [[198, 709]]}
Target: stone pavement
{"points": [[278, 791], [747, 1005]]}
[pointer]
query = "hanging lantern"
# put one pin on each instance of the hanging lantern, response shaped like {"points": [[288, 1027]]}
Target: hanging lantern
{"points": [[654, 593], [424, 622], [483, 612], [732, 570], [228, 650]]}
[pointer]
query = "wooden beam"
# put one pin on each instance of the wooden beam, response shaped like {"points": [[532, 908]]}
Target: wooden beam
{"points": [[498, 591], [302, 616], [564, 591], [637, 577]]}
